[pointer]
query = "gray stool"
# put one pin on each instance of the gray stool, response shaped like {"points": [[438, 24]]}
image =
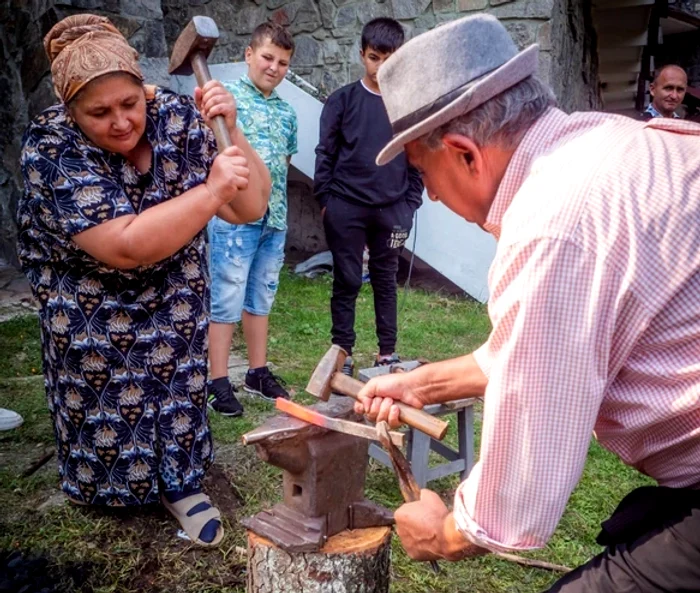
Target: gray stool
{"points": [[420, 444]]}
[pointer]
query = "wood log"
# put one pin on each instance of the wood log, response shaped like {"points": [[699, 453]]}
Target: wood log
{"points": [[356, 561]]}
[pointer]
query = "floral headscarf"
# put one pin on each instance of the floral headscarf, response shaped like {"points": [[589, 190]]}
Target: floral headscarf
{"points": [[83, 47]]}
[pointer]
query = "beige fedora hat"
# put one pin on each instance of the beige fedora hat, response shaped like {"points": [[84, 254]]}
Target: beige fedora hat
{"points": [[447, 72]]}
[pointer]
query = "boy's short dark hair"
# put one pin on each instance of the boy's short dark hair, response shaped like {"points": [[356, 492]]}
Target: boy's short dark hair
{"points": [[383, 34], [277, 34]]}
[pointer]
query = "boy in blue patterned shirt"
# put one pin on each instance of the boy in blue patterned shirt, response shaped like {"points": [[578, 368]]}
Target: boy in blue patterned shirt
{"points": [[246, 259]]}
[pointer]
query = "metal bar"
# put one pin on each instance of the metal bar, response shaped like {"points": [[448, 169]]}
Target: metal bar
{"points": [[336, 424]]}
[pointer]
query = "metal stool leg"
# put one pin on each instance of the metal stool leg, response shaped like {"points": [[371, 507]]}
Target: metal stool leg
{"points": [[420, 451], [465, 437], [419, 445]]}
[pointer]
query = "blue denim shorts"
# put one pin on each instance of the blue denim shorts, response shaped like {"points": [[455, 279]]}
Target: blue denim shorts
{"points": [[245, 262]]}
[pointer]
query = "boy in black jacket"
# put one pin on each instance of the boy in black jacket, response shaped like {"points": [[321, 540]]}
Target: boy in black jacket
{"points": [[361, 203]]}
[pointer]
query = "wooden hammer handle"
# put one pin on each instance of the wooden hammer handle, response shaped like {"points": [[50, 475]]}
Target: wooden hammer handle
{"points": [[407, 414], [218, 123]]}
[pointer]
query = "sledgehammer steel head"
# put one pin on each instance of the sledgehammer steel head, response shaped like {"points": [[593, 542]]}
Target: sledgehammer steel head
{"points": [[200, 35], [320, 382]]}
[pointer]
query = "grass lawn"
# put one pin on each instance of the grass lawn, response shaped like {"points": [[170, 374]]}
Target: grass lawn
{"points": [[138, 550]]}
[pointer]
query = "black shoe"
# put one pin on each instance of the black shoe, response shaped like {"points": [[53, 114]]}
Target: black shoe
{"points": [[387, 360], [263, 383], [223, 400], [348, 366]]}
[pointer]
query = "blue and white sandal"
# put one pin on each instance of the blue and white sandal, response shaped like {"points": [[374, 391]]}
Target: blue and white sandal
{"points": [[193, 513]]}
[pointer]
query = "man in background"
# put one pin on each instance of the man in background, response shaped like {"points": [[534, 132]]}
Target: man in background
{"points": [[667, 92]]}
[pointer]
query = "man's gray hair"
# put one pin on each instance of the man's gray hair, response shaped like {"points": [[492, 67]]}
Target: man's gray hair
{"points": [[501, 121]]}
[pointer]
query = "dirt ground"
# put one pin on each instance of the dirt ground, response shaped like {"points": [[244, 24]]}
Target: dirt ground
{"points": [[161, 556]]}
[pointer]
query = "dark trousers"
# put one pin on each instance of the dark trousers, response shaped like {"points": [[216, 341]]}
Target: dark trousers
{"points": [[349, 227], [652, 545]]}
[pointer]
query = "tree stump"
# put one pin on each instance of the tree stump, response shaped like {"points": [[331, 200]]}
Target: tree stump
{"points": [[356, 561]]}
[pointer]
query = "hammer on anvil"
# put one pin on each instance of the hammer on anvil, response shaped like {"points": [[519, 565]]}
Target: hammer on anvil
{"points": [[327, 379], [190, 54]]}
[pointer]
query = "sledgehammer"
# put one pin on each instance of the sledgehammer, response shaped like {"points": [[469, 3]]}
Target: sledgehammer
{"points": [[190, 54], [327, 379]]}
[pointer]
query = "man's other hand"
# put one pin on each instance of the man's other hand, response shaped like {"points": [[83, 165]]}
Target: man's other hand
{"points": [[427, 531]]}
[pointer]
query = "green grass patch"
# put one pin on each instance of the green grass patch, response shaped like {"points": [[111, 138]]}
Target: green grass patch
{"points": [[21, 347], [137, 549]]}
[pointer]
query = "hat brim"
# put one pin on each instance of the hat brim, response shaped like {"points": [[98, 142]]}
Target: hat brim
{"points": [[516, 69]]}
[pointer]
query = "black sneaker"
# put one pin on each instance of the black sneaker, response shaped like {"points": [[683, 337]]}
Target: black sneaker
{"points": [[348, 366], [223, 400], [387, 360], [263, 383]]}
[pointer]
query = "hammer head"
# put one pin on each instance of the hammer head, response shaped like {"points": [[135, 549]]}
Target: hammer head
{"points": [[200, 35], [320, 382]]}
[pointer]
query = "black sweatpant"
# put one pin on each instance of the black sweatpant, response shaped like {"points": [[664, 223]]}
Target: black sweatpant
{"points": [[652, 546], [349, 227]]}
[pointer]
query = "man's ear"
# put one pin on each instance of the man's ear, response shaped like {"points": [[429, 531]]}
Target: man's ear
{"points": [[248, 54], [468, 149]]}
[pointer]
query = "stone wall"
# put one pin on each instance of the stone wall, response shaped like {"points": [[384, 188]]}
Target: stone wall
{"points": [[572, 47], [22, 90], [327, 34], [327, 40]]}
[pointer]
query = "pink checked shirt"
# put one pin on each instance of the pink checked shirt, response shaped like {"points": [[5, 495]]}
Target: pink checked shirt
{"points": [[595, 305]]}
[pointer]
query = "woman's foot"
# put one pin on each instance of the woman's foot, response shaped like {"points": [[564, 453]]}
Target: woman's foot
{"points": [[197, 516]]}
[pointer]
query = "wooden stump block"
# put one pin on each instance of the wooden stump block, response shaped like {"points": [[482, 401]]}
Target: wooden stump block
{"points": [[355, 561]]}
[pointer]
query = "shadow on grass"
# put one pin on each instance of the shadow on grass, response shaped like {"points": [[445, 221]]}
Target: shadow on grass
{"points": [[30, 573], [129, 549]]}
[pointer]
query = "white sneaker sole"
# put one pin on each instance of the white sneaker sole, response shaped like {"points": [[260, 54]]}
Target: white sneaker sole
{"points": [[260, 393], [228, 414], [11, 424]]}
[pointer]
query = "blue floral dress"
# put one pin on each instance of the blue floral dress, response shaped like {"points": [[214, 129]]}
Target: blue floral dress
{"points": [[124, 351]]}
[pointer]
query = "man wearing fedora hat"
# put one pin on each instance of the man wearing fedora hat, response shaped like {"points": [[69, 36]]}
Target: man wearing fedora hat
{"points": [[593, 303]]}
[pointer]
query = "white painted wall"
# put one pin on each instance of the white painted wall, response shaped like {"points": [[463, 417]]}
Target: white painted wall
{"points": [[459, 250]]}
